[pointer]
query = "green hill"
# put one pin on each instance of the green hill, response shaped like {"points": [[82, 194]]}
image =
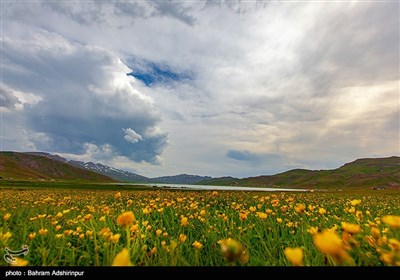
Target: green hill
{"points": [[22, 166], [368, 172]]}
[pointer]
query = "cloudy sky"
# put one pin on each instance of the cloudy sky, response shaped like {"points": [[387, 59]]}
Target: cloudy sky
{"points": [[219, 88]]}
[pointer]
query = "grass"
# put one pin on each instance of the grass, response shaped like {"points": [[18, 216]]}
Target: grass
{"points": [[71, 224]]}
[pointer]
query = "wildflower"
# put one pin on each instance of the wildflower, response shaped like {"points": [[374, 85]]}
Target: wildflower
{"points": [[20, 262], [117, 195], [231, 249], [182, 237], [253, 209], [81, 236], [126, 219], [312, 230], [355, 202], [351, 228], [115, 238], [43, 231], [300, 207], [330, 244], [391, 220], [243, 216], [5, 236], [294, 255], [122, 259], [394, 244], [153, 251], [6, 217], [322, 211], [59, 215], [375, 232], [197, 245], [184, 221], [279, 220], [146, 211], [32, 235], [102, 219], [58, 236], [203, 213], [58, 227], [41, 216], [158, 232], [262, 215]]}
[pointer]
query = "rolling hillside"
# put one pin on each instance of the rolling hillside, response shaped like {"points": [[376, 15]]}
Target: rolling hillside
{"points": [[23, 166], [369, 172]]}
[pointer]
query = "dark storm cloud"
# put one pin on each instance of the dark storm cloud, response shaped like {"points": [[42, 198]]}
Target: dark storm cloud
{"points": [[86, 97]]}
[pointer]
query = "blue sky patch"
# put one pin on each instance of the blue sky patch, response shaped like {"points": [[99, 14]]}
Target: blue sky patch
{"points": [[152, 74]]}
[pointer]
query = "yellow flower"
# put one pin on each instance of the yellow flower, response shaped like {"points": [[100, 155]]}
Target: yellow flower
{"points": [[243, 216], [203, 212], [330, 244], [253, 209], [197, 245], [43, 231], [182, 237], [146, 211], [184, 221], [262, 215], [355, 202], [58, 236], [294, 255], [32, 235], [59, 215], [6, 217], [102, 219], [81, 236], [391, 220], [126, 219], [5, 236], [115, 238], [300, 207], [158, 232], [122, 259], [312, 230], [117, 195], [279, 220], [322, 211], [58, 228], [375, 232], [394, 244], [20, 262], [351, 228], [153, 251], [231, 249]]}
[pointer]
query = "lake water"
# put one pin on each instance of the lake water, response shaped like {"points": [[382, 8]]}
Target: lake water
{"points": [[214, 188]]}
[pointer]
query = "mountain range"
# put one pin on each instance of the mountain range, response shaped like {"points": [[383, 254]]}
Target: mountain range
{"points": [[366, 172]]}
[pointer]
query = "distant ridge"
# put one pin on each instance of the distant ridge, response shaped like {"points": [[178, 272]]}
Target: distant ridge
{"points": [[31, 166], [366, 172]]}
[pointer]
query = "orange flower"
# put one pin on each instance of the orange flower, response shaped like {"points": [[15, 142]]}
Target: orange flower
{"points": [[300, 207], [43, 231], [294, 255], [126, 219]]}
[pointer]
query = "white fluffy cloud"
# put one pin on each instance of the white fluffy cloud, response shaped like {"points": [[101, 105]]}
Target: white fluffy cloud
{"points": [[241, 88]]}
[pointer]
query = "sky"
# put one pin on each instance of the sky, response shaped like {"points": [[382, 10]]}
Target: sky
{"points": [[216, 88]]}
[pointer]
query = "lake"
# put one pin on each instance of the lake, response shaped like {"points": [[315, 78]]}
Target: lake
{"points": [[213, 188]]}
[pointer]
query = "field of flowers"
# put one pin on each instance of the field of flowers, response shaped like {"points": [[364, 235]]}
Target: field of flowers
{"points": [[193, 228]]}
